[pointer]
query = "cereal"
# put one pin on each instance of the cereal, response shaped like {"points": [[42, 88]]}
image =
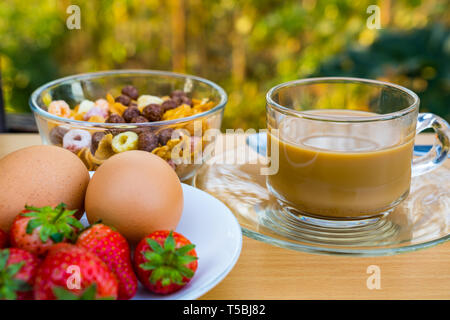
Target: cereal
{"points": [[125, 141], [153, 112], [124, 100], [47, 98], [117, 108], [165, 152], [202, 107], [145, 100], [131, 92], [83, 155], [77, 139], [95, 111], [165, 135], [57, 134], [85, 106], [139, 119], [110, 99], [177, 93], [102, 104], [130, 113], [104, 149], [93, 148], [148, 141], [182, 111], [96, 138], [169, 104], [96, 119], [115, 118], [180, 98], [76, 116], [59, 108]]}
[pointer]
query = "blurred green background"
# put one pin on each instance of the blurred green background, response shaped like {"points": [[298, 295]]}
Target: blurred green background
{"points": [[244, 46]]}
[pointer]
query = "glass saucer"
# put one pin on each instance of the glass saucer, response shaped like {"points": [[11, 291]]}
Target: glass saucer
{"points": [[422, 220]]}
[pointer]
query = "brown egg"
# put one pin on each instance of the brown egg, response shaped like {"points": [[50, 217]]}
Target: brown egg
{"points": [[40, 176], [135, 192]]}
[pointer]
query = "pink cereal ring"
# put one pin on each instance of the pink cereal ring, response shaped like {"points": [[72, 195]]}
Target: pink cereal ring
{"points": [[96, 111], [102, 104], [59, 108], [77, 139]]}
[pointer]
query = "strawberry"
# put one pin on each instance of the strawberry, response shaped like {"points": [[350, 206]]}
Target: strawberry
{"points": [[3, 239], [37, 229], [165, 261], [112, 248], [17, 273], [75, 268]]}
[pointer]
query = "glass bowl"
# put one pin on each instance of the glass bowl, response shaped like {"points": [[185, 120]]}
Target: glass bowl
{"points": [[189, 135]]}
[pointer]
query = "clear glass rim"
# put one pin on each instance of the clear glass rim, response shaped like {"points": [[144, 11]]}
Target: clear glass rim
{"points": [[302, 114], [131, 72]]}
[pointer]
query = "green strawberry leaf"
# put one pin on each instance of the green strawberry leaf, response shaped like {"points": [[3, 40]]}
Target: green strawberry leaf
{"points": [[57, 237], [55, 223], [169, 243], [185, 249], [154, 257], [188, 273], [4, 256], [12, 269], [148, 266], [9, 285], [63, 294], [88, 294], [155, 245], [168, 264], [33, 224], [183, 260], [74, 222]]}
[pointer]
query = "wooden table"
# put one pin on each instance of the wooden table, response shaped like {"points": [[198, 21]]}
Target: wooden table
{"points": [[268, 272]]}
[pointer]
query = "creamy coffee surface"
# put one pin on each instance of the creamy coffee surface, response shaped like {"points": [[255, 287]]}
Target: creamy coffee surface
{"points": [[347, 171]]}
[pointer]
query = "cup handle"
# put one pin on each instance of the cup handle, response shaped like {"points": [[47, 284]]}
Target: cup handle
{"points": [[438, 153]]}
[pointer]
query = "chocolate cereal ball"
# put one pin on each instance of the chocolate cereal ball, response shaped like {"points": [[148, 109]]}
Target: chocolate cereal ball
{"points": [[164, 136], [131, 92], [153, 112], [139, 119], [130, 113], [169, 104], [123, 99], [180, 97], [177, 93], [115, 118], [147, 141]]}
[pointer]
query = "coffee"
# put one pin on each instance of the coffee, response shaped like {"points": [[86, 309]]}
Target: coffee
{"points": [[348, 173]]}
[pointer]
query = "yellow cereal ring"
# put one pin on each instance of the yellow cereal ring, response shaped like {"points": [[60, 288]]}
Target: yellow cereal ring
{"points": [[125, 141]]}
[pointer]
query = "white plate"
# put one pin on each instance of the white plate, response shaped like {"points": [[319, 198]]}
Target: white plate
{"points": [[217, 236]]}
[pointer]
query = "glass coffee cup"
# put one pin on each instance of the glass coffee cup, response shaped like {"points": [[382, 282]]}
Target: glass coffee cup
{"points": [[341, 149]]}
